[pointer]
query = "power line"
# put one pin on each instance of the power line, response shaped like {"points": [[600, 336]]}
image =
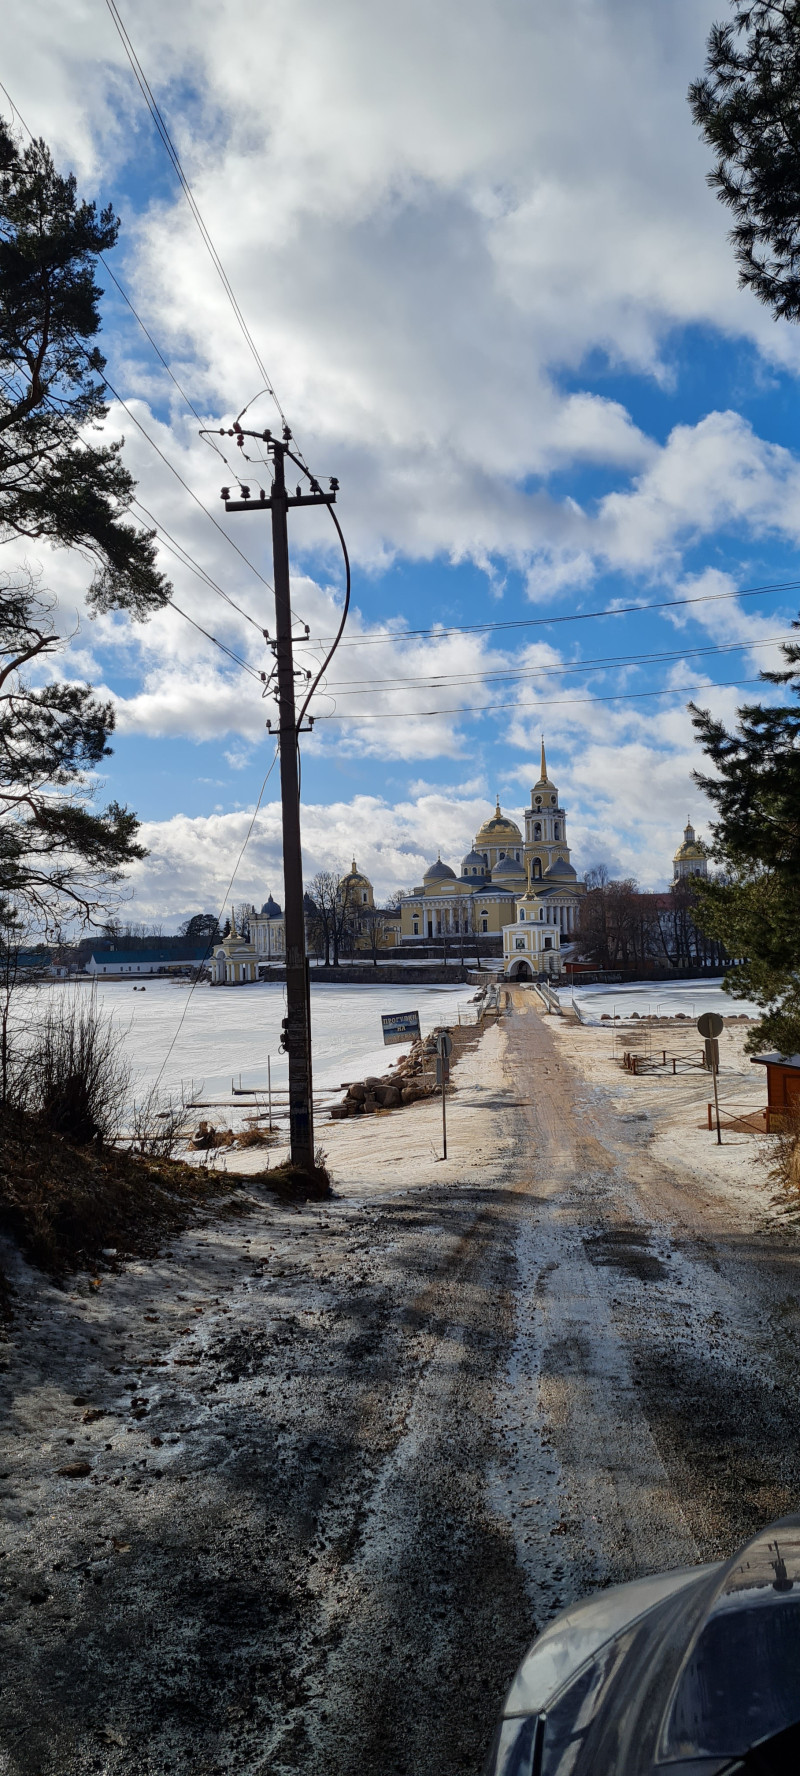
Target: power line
{"points": [[613, 610], [178, 476], [182, 554], [217, 643], [540, 703], [147, 436], [175, 161], [236, 869], [373, 687]]}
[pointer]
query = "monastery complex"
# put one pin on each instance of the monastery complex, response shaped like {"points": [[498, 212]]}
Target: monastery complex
{"points": [[518, 892]]}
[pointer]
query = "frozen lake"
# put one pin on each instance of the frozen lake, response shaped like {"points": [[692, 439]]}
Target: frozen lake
{"points": [[228, 1031], [656, 999]]}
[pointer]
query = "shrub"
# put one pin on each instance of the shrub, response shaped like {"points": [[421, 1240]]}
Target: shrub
{"points": [[158, 1121], [76, 1077]]}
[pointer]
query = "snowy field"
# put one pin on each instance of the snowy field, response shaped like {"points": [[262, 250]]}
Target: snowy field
{"points": [[655, 999], [228, 1031]]}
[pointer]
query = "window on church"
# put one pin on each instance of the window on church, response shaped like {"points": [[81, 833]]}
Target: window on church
{"points": [[557, 831], [364, 897], [501, 854], [537, 831], [519, 943], [548, 943], [522, 916]]}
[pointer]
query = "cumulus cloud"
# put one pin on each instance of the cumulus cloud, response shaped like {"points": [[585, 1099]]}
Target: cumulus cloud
{"points": [[426, 222], [434, 220]]}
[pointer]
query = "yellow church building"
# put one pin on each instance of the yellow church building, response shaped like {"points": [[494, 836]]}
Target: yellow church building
{"points": [[506, 881]]}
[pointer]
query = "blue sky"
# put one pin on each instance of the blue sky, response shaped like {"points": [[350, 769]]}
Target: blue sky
{"points": [[497, 300]]}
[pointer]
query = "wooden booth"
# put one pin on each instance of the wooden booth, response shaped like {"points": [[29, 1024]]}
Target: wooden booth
{"points": [[783, 1089]]}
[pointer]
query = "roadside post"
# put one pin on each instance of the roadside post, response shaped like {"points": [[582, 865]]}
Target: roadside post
{"points": [[444, 1049], [710, 1026]]}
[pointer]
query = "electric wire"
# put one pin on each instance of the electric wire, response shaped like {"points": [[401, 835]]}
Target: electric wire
{"points": [[378, 687], [542, 702], [145, 434], [217, 643], [182, 554], [236, 869], [618, 610], [346, 605], [175, 161]]}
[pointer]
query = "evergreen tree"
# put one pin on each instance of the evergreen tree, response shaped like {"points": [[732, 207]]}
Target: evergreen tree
{"points": [[755, 910], [748, 108], [56, 481], [59, 859]]}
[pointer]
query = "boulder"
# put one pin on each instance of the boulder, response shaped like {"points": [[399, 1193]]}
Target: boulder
{"points": [[357, 1093], [370, 1104], [391, 1097]]}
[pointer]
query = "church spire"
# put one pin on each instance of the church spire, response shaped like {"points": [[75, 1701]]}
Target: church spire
{"points": [[543, 774]]}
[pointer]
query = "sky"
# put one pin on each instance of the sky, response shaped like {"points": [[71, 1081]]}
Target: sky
{"points": [[480, 260]]}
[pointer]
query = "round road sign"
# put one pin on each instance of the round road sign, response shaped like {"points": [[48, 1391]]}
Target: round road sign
{"points": [[444, 1044], [710, 1024]]}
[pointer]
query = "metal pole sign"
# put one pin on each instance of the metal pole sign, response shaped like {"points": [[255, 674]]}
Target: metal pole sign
{"points": [[400, 1026], [444, 1049], [710, 1026]]}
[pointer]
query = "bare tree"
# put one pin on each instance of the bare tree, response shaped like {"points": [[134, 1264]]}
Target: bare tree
{"points": [[323, 894]]}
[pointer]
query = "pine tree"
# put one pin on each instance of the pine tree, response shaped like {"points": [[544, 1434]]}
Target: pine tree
{"points": [[755, 910], [56, 481], [60, 859], [747, 106]]}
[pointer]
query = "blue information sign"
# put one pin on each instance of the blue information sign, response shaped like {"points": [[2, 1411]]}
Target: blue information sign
{"points": [[400, 1026]]}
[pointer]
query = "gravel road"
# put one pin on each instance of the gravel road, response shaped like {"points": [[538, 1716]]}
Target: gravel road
{"points": [[343, 1463]]}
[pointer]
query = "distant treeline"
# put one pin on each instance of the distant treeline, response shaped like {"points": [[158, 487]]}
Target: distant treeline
{"points": [[623, 927]]}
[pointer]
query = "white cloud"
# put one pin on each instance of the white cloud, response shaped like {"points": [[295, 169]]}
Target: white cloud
{"points": [[434, 217], [426, 220]]}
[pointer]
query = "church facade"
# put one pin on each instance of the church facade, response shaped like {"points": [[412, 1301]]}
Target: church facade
{"points": [[508, 881]]}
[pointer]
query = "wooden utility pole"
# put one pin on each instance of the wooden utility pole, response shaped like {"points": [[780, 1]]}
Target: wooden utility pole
{"points": [[297, 1024]]}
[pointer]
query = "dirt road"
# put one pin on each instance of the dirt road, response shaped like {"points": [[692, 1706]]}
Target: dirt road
{"points": [[342, 1464]]}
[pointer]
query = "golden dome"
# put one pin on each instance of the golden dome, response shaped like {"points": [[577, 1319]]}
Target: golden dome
{"points": [[498, 831], [692, 850], [354, 874]]}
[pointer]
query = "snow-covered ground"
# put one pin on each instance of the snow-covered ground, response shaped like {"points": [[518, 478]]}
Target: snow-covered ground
{"points": [[656, 999], [228, 1031]]}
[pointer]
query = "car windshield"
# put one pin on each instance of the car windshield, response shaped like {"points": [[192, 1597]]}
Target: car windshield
{"points": [[742, 1679]]}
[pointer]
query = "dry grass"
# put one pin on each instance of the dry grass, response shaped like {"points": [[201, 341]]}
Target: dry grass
{"points": [[65, 1204], [785, 1156], [291, 1182]]}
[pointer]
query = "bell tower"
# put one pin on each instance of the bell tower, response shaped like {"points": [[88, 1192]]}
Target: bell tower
{"points": [[545, 826]]}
